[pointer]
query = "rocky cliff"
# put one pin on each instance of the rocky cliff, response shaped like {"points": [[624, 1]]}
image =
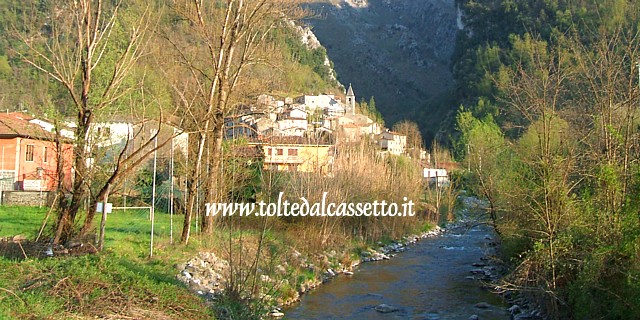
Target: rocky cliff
{"points": [[397, 51]]}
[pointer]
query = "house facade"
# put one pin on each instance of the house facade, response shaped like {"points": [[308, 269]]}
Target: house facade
{"points": [[297, 155], [29, 157], [439, 177], [392, 142], [330, 105]]}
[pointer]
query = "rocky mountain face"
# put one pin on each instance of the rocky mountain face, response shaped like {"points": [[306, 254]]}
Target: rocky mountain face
{"points": [[397, 51]]}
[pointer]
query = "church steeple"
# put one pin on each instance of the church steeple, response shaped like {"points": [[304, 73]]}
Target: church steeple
{"points": [[351, 100]]}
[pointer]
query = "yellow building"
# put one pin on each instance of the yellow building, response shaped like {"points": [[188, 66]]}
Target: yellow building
{"points": [[302, 157]]}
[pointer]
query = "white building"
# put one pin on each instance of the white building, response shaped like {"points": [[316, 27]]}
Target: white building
{"points": [[48, 126], [326, 102], [104, 134], [293, 126], [438, 176], [392, 142], [293, 122]]}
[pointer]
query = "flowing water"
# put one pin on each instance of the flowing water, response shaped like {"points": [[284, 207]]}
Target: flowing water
{"points": [[431, 280]]}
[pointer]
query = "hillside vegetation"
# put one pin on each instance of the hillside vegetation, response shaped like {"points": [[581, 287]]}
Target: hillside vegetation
{"points": [[291, 68], [549, 127]]}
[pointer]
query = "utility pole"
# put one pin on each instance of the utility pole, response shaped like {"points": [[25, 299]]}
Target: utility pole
{"points": [[171, 196], [153, 191], [468, 158]]}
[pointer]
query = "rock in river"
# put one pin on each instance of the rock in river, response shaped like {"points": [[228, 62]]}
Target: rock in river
{"points": [[385, 308]]}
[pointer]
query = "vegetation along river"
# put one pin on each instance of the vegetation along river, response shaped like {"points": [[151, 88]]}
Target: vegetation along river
{"points": [[431, 280]]}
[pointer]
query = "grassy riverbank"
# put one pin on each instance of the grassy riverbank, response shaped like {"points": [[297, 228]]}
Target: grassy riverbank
{"points": [[122, 281], [119, 282]]}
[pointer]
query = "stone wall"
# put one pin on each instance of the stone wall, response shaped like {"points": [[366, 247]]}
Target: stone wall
{"points": [[27, 198]]}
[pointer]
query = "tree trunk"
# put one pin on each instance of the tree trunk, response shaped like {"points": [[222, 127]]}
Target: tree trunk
{"points": [[103, 222], [68, 214], [216, 174], [192, 187]]}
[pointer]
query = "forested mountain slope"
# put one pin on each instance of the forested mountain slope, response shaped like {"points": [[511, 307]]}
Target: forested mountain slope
{"points": [[396, 51]]}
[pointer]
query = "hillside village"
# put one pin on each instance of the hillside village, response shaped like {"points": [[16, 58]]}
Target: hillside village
{"points": [[302, 134]]}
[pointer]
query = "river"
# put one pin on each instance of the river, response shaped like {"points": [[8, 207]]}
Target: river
{"points": [[431, 280]]}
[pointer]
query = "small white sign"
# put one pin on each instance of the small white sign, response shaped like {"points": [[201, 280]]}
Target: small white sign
{"points": [[32, 185], [108, 208]]}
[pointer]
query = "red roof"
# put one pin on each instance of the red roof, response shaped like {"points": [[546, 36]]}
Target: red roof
{"points": [[16, 124]]}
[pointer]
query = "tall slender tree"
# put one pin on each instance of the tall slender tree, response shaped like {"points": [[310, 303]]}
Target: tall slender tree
{"points": [[231, 33]]}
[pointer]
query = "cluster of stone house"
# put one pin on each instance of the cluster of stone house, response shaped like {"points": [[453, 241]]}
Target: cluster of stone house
{"points": [[289, 135], [300, 134]]}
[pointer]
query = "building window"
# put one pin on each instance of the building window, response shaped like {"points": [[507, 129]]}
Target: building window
{"points": [[29, 155], [269, 151], [45, 154], [279, 151], [292, 152]]}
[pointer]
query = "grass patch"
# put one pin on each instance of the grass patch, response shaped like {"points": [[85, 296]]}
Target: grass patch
{"points": [[120, 282], [15, 220], [426, 226]]}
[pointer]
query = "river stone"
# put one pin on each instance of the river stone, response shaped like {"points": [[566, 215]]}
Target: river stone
{"points": [[276, 314], [514, 309], [482, 305], [385, 308], [474, 317], [477, 271]]}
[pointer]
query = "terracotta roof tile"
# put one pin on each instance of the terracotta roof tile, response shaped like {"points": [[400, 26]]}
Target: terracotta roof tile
{"points": [[16, 124]]}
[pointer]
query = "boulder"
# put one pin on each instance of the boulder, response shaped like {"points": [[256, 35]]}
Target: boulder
{"points": [[385, 308], [276, 314]]}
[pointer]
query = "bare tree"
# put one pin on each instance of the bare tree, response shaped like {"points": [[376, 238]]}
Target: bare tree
{"points": [[414, 138], [79, 53], [231, 33]]}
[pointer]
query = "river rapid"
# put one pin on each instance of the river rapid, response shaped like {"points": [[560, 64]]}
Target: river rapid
{"points": [[436, 278]]}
